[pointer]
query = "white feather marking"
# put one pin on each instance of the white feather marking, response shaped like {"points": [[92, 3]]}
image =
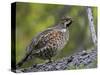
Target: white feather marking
{"points": [[63, 30]]}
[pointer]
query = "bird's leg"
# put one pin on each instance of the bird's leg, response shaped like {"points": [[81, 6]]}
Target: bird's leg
{"points": [[50, 61], [34, 65]]}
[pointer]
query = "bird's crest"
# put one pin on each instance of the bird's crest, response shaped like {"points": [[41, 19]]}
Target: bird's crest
{"points": [[66, 21]]}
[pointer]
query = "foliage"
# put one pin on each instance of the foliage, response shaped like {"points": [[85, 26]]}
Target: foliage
{"points": [[32, 18]]}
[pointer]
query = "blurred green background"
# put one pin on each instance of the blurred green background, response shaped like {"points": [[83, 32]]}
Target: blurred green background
{"points": [[32, 18]]}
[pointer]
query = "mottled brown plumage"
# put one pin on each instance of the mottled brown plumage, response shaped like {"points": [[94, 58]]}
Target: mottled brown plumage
{"points": [[49, 42]]}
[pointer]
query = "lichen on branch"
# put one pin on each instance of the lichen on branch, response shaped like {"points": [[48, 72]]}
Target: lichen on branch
{"points": [[76, 61]]}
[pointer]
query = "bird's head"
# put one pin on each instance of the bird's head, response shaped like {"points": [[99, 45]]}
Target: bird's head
{"points": [[66, 21]]}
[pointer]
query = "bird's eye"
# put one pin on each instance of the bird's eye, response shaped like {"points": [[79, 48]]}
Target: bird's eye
{"points": [[66, 19]]}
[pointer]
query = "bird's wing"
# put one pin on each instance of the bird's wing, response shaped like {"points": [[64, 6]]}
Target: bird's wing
{"points": [[34, 46], [37, 41]]}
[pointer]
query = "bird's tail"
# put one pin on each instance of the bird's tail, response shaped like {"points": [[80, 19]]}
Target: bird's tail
{"points": [[19, 64]]}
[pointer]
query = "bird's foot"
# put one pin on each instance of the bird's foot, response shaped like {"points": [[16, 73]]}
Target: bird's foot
{"points": [[34, 65], [50, 61]]}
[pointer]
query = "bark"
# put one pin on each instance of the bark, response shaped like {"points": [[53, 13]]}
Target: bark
{"points": [[91, 25], [78, 60]]}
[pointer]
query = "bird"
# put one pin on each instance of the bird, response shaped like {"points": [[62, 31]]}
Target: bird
{"points": [[49, 42]]}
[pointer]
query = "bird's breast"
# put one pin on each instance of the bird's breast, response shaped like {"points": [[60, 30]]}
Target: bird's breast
{"points": [[58, 39], [51, 44]]}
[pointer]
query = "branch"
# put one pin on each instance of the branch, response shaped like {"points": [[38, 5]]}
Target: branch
{"points": [[91, 25], [77, 60]]}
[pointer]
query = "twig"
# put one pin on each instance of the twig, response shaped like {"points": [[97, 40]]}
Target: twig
{"points": [[91, 25], [81, 58]]}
